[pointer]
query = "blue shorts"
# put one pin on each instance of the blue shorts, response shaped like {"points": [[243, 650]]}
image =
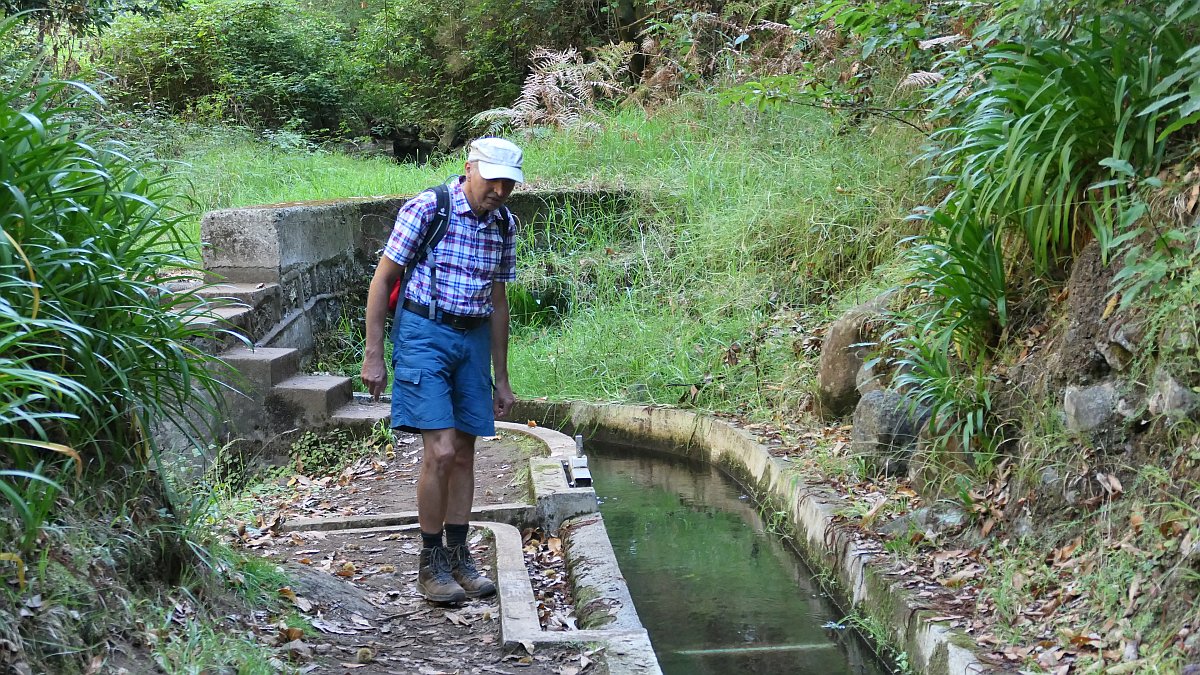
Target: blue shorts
{"points": [[442, 377]]}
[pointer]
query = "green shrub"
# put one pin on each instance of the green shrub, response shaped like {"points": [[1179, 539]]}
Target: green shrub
{"points": [[1034, 127], [425, 68], [263, 63], [93, 352]]}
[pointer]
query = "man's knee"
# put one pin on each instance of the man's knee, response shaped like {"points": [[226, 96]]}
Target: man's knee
{"points": [[464, 460], [440, 451]]}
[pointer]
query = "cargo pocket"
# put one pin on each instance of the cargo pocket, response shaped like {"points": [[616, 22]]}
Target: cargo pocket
{"points": [[409, 375]]}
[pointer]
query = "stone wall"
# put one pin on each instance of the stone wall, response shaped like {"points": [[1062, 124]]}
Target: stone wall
{"points": [[317, 252]]}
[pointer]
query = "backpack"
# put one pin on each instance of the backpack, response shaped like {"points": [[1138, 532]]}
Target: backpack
{"points": [[433, 236]]}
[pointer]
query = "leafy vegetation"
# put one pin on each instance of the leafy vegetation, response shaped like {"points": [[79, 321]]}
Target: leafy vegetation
{"points": [[771, 150], [97, 353]]}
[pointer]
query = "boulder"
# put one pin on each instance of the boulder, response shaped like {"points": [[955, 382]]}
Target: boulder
{"points": [[885, 430], [1089, 408], [940, 518], [868, 378], [842, 354], [1170, 398]]}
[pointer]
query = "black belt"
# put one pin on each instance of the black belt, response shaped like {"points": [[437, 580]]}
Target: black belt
{"points": [[455, 321]]}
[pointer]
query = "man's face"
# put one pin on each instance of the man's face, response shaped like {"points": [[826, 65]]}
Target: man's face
{"points": [[483, 194]]}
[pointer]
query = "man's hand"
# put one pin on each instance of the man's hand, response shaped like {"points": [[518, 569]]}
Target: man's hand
{"points": [[502, 400], [374, 376]]}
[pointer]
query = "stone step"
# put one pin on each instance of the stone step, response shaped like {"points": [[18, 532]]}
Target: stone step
{"points": [[261, 367], [253, 309], [251, 295], [361, 414], [310, 398], [220, 328]]}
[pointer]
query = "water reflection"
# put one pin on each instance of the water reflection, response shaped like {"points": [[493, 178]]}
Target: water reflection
{"points": [[716, 593]]}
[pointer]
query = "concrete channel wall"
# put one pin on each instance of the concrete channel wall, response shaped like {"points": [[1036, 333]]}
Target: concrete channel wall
{"points": [[932, 647]]}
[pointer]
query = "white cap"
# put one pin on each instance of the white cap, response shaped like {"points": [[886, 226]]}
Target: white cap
{"points": [[496, 158]]}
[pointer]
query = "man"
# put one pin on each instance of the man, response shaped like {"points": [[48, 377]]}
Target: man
{"points": [[441, 368]]}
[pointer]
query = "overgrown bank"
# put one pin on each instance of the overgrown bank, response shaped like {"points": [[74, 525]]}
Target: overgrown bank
{"points": [[1046, 321]]}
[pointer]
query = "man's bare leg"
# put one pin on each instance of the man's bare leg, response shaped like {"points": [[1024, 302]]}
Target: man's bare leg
{"points": [[435, 580], [461, 494]]}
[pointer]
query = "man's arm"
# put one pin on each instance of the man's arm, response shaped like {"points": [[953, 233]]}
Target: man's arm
{"points": [[374, 370], [503, 399]]}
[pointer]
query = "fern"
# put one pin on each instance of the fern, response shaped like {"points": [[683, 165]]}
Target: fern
{"points": [[922, 79], [562, 89]]}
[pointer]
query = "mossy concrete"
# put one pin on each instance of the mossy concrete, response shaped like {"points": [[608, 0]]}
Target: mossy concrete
{"points": [[932, 647]]}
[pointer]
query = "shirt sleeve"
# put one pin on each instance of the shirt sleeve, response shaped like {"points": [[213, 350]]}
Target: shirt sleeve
{"points": [[507, 271], [411, 222]]}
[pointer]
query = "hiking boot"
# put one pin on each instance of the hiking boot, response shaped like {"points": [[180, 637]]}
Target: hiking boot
{"points": [[434, 581], [473, 582]]}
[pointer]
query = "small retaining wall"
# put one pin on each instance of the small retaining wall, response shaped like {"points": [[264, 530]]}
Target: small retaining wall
{"points": [[319, 251], [932, 647]]}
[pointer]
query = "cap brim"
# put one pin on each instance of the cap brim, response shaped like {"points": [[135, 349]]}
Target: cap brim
{"points": [[494, 171]]}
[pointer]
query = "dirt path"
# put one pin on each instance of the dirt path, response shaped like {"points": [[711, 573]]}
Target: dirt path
{"points": [[357, 589]]}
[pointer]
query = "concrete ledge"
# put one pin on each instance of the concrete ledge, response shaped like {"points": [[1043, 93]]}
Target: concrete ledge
{"points": [[932, 647], [594, 573], [511, 514], [554, 499]]}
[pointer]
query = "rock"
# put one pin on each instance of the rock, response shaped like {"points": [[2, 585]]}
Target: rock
{"points": [[1124, 340], [1089, 408], [842, 355], [1127, 335], [1115, 355], [1169, 398], [329, 591], [868, 379], [885, 430], [941, 517], [1022, 526]]}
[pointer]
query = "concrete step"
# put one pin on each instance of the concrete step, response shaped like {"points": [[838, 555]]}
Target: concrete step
{"points": [[251, 295], [250, 308], [361, 414], [311, 398], [220, 328], [261, 367]]}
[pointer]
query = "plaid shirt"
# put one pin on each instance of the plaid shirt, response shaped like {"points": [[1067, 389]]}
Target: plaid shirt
{"points": [[472, 255]]}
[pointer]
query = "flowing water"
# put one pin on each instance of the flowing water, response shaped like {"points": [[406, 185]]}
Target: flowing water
{"points": [[716, 592]]}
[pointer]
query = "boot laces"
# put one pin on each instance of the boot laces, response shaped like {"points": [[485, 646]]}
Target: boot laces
{"points": [[463, 561], [440, 564]]}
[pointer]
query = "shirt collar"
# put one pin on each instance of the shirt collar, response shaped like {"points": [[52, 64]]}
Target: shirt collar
{"points": [[463, 208]]}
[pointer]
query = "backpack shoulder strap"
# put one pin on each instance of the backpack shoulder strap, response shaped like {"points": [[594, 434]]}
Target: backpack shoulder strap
{"points": [[509, 228], [441, 220], [434, 233]]}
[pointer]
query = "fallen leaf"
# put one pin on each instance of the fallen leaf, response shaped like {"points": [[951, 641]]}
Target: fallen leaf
{"points": [[326, 626], [303, 604]]}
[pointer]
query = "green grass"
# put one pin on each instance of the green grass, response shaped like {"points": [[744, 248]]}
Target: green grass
{"points": [[745, 214], [226, 168]]}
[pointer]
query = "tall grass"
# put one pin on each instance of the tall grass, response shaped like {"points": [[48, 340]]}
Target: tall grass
{"points": [[227, 167], [745, 214], [739, 214]]}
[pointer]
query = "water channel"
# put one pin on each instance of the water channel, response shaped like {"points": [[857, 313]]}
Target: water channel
{"points": [[716, 592]]}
